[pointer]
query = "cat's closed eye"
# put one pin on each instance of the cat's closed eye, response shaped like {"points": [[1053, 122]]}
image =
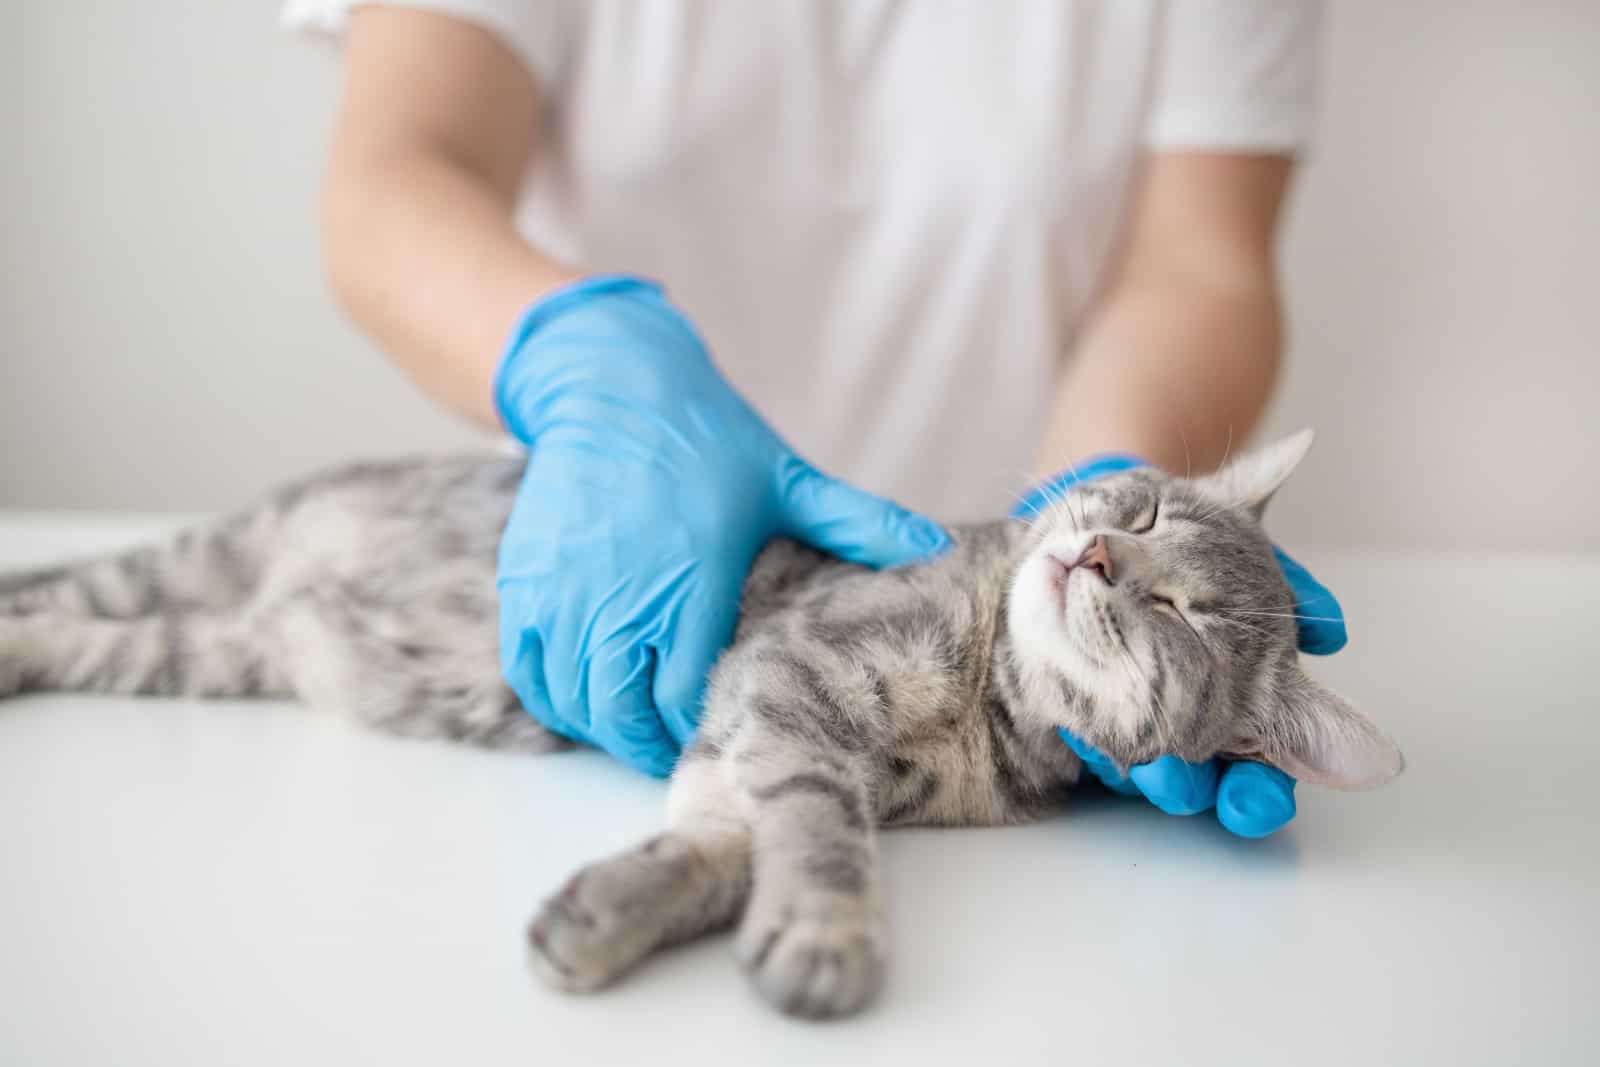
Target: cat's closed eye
{"points": [[1166, 605], [1146, 520]]}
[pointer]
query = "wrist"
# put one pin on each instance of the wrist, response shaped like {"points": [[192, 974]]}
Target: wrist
{"points": [[537, 317]]}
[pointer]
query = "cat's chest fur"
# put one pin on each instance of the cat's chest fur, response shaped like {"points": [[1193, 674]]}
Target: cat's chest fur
{"points": [[910, 670]]}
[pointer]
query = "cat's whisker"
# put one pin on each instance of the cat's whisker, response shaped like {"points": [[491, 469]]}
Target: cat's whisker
{"points": [[1250, 626], [1218, 507], [1051, 493], [1059, 503], [1021, 496], [1058, 497], [1028, 485], [1215, 510], [1028, 519], [1214, 507], [1054, 500], [1077, 479]]}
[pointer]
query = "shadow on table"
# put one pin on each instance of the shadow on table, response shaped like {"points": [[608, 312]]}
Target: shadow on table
{"points": [[1192, 838]]}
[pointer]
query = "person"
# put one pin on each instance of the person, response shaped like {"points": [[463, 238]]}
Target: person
{"points": [[934, 247]]}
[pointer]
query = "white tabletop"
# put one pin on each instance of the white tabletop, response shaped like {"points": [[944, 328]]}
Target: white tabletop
{"points": [[251, 884]]}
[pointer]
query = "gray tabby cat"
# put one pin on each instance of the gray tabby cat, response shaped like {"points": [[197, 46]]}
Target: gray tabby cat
{"points": [[1145, 613]]}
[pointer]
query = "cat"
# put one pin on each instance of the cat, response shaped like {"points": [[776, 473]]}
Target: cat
{"points": [[1144, 612]]}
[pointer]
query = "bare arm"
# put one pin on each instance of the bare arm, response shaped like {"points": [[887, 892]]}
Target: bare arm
{"points": [[436, 124], [1183, 352]]}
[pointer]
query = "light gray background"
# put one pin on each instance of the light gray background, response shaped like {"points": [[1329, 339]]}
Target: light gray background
{"points": [[166, 341]]}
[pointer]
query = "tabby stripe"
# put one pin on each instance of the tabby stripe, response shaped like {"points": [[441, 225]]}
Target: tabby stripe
{"points": [[92, 599], [880, 689], [838, 866], [912, 805], [1010, 676], [832, 719], [1006, 773], [807, 783]]}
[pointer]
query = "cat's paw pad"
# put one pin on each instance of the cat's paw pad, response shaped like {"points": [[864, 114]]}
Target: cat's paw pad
{"points": [[817, 967]]}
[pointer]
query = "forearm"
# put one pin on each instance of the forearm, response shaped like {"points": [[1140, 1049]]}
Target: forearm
{"points": [[1171, 370], [437, 123], [424, 255]]}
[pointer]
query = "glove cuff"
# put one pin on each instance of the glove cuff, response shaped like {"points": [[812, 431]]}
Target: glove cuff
{"points": [[539, 314]]}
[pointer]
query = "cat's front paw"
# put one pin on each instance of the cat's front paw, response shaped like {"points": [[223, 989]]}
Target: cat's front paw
{"points": [[568, 942], [815, 964], [611, 915]]}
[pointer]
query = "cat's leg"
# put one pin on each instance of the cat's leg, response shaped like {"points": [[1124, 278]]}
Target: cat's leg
{"points": [[812, 937], [686, 882], [185, 654]]}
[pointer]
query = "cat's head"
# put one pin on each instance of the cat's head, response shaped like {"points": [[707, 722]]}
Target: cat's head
{"points": [[1150, 610]]}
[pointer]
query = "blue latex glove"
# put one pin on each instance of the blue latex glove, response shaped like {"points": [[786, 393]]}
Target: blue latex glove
{"points": [[649, 490], [1251, 799]]}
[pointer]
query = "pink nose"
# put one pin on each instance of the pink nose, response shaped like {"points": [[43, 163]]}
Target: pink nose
{"points": [[1097, 557]]}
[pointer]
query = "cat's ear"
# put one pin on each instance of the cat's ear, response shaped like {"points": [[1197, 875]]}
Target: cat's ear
{"points": [[1317, 736], [1250, 480]]}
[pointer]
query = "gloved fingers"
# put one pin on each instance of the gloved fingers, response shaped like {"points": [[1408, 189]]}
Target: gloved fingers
{"points": [[522, 667], [1117, 783], [622, 713], [566, 665], [851, 524], [1177, 786], [1318, 616], [1100, 765], [701, 628], [1254, 800], [1046, 494]]}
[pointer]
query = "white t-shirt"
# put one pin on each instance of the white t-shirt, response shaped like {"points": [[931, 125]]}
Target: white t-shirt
{"points": [[888, 219]]}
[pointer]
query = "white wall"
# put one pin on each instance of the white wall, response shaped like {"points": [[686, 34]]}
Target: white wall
{"points": [[167, 343], [1443, 269]]}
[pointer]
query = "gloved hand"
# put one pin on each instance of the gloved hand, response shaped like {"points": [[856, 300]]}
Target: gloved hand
{"points": [[649, 490], [1251, 799]]}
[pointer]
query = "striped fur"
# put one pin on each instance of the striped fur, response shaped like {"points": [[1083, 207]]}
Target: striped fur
{"points": [[851, 700]]}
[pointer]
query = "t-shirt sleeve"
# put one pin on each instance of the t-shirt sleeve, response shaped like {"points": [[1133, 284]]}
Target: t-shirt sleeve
{"points": [[1236, 75], [535, 32]]}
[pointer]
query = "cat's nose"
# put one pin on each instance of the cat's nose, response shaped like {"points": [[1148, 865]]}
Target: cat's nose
{"points": [[1097, 557]]}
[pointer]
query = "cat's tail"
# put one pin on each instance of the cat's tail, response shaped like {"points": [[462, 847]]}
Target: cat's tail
{"points": [[175, 654], [208, 567], [158, 619]]}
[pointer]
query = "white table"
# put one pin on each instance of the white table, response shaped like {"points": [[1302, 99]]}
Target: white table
{"points": [[250, 884]]}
